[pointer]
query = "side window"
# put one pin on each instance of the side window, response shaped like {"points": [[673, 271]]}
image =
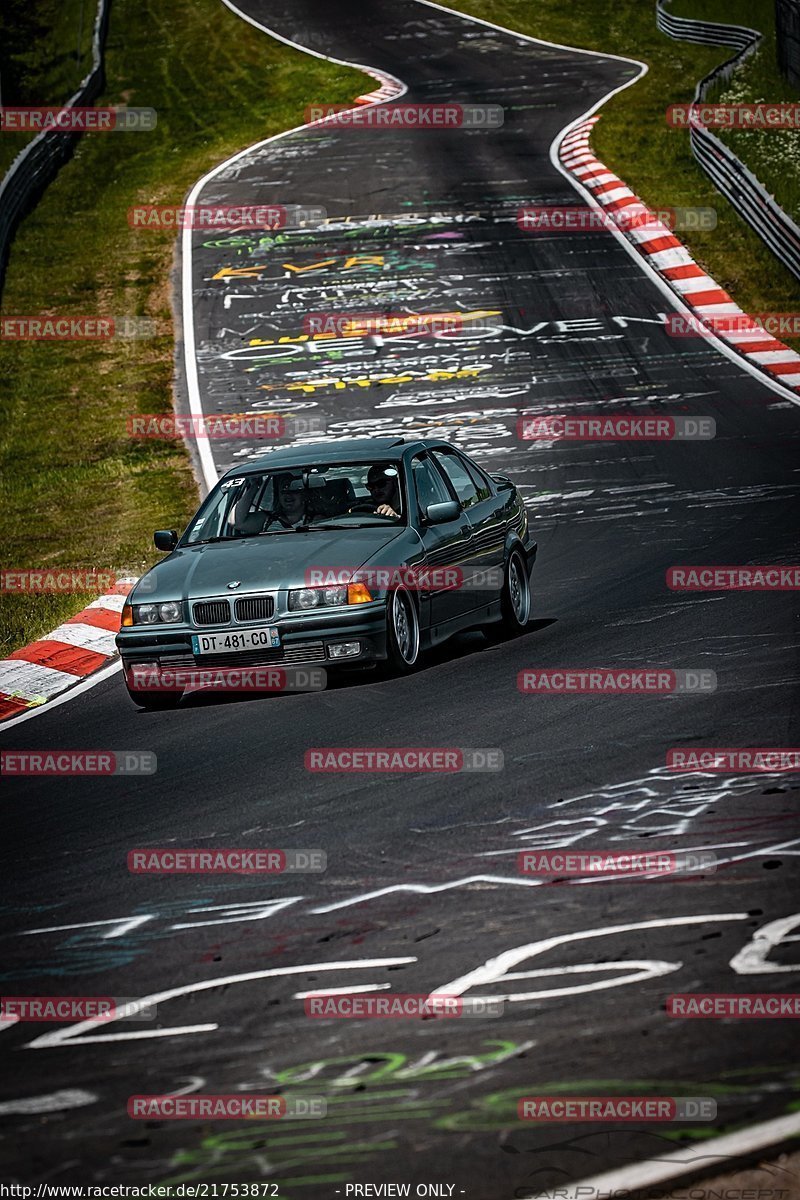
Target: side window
{"points": [[479, 479], [428, 486], [456, 472]]}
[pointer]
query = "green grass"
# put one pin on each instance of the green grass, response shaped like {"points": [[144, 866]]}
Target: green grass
{"points": [[633, 139], [773, 155], [45, 52], [76, 491]]}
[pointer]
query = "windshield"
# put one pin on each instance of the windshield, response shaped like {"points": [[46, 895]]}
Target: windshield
{"points": [[297, 499]]}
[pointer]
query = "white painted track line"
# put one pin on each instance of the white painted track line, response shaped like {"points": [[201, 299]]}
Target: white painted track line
{"points": [[689, 1161]]}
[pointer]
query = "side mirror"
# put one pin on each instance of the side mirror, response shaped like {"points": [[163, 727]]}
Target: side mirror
{"points": [[165, 539], [447, 510], [504, 484]]}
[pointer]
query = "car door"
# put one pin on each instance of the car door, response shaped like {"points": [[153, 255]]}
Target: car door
{"points": [[487, 522], [446, 545]]}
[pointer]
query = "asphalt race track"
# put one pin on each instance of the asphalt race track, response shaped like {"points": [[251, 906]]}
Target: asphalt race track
{"points": [[422, 887]]}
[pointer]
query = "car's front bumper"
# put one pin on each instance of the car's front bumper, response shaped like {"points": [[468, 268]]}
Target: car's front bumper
{"points": [[306, 639]]}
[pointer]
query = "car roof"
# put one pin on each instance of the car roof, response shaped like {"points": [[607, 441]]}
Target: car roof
{"points": [[345, 449]]}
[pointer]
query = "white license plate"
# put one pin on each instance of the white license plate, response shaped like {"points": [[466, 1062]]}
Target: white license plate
{"points": [[266, 638]]}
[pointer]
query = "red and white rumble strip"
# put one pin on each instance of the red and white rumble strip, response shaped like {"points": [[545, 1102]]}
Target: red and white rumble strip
{"points": [[35, 674], [390, 88], [672, 260]]}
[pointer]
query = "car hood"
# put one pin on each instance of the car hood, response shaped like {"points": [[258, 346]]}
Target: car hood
{"points": [[259, 563]]}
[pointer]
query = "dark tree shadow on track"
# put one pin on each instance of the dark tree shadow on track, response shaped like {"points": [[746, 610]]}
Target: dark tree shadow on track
{"points": [[462, 646]]}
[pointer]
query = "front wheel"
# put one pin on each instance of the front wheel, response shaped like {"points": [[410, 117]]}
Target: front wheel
{"points": [[515, 598], [402, 632]]}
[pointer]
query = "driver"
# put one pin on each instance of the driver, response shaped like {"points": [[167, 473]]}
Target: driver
{"points": [[382, 482]]}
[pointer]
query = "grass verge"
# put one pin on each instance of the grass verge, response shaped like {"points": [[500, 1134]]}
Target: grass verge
{"points": [[773, 155], [45, 51], [76, 492], [633, 139]]}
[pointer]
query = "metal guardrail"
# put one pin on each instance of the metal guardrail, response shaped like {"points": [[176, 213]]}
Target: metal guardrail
{"points": [[787, 29], [37, 164], [728, 174]]}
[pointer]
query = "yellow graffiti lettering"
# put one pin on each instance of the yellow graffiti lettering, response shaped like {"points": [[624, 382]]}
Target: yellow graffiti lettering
{"points": [[239, 272], [326, 262], [364, 381], [464, 373], [365, 260], [303, 337]]}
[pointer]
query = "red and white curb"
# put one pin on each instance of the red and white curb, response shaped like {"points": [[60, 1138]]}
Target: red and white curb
{"points": [[667, 254], [60, 664], [390, 88], [82, 645]]}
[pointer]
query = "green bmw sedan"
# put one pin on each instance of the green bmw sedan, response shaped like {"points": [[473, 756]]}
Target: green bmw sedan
{"points": [[330, 555]]}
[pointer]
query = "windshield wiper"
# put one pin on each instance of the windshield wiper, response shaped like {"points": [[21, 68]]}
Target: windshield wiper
{"points": [[336, 525], [322, 525]]}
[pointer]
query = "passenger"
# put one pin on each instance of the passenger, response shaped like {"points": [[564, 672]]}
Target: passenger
{"points": [[288, 504], [240, 520], [382, 482], [291, 502]]}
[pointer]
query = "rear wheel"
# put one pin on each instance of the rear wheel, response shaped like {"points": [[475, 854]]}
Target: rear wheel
{"points": [[402, 632], [515, 600]]}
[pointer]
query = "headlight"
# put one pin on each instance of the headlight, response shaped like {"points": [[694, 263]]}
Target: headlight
{"points": [[334, 595], [152, 614], [305, 598]]}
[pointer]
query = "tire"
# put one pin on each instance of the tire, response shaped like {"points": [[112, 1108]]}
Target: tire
{"points": [[155, 701], [515, 598], [402, 633]]}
